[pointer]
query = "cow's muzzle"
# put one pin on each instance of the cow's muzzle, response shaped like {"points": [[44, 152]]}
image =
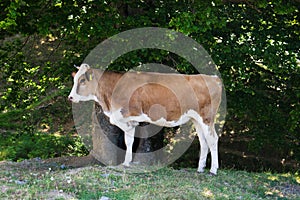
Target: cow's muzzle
{"points": [[70, 98]]}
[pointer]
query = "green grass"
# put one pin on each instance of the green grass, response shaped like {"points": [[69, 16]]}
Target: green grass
{"points": [[41, 181]]}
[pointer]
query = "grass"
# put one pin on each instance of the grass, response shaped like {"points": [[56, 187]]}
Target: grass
{"points": [[38, 180]]}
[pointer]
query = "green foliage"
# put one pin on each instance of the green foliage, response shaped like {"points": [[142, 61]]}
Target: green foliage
{"points": [[25, 145], [36, 131], [11, 12], [258, 54]]}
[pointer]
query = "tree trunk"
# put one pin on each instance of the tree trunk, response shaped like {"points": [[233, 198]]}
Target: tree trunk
{"points": [[109, 146]]}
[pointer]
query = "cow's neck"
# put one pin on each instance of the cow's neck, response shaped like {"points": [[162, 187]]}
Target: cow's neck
{"points": [[107, 81]]}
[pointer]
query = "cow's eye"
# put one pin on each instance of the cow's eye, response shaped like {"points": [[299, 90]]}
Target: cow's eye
{"points": [[82, 80]]}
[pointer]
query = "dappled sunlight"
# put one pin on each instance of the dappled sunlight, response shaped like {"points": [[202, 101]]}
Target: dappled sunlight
{"points": [[207, 193], [254, 45], [273, 178], [298, 179], [44, 128]]}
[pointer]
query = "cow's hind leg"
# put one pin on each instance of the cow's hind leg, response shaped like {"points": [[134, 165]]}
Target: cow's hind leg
{"points": [[212, 141], [203, 147], [208, 141]]}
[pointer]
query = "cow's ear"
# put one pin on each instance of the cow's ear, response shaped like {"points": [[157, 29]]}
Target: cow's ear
{"points": [[89, 75], [77, 67], [73, 74]]}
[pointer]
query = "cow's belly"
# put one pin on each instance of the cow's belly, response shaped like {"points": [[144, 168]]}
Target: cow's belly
{"points": [[160, 122], [191, 114]]}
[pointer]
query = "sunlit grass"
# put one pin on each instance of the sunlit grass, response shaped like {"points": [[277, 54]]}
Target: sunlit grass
{"points": [[94, 182]]}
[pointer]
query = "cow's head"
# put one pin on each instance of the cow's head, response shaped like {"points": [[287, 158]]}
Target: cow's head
{"points": [[85, 85]]}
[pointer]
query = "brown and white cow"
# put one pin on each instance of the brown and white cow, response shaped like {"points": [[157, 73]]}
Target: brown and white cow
{"points": [[163, 99]]}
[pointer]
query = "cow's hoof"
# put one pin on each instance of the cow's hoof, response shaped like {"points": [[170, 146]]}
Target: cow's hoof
{"points": [[212, 174], [200, 171], [126, 165]]}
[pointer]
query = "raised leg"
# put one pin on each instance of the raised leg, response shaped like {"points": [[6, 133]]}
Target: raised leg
{"points": [[129, 138]]}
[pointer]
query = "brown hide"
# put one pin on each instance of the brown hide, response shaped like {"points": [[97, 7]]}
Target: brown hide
{"points": [[158, 95]]}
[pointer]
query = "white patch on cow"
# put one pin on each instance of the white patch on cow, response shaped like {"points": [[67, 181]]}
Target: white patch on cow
{"points": [[108, 114], [117, 118], [191, 114], [76, 98]]}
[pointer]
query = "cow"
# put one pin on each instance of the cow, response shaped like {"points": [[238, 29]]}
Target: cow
{"points": [[163, 99]]}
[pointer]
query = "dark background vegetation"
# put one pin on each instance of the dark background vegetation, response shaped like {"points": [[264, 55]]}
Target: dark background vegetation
{"points": [[255, 45]]}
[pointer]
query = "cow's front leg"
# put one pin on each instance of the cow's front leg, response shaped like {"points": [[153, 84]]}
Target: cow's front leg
{"points": [[117, 119], [129, 138]]}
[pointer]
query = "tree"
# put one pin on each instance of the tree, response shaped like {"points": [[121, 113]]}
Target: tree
{"points": [[254, 43]]}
